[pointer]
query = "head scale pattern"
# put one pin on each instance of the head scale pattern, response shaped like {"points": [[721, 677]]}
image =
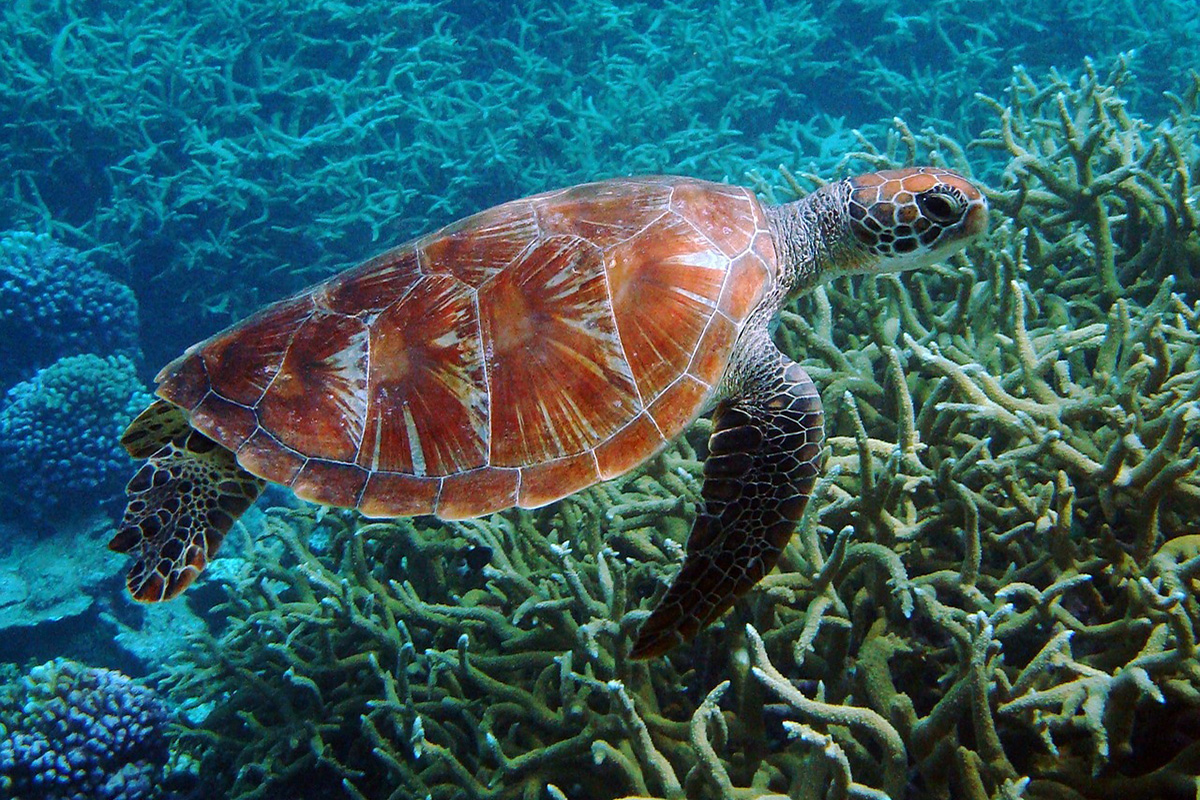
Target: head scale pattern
{"points": [[905, 213]]}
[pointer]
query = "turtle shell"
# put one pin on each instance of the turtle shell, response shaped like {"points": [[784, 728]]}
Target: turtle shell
{"points": [[511, 358]]}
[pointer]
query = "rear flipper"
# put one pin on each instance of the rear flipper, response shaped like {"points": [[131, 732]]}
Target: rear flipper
{"points": [[763, 460], [182, 502]]}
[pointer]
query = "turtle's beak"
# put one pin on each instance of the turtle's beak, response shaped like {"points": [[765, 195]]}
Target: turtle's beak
{"points": [[976, 223]]}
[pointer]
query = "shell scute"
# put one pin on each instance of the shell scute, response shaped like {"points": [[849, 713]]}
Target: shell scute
{"points": [[553, 480], [426, 411], [331, 483], [558, 380], [373, 285], [316, 403], [511, 358], [390, 494], [478, 492], [477, 248], [240, 364], [665, 286], [262, 454]]}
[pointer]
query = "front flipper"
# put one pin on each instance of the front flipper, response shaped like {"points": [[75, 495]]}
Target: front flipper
{"points": [[182, 502], [762, 462]]}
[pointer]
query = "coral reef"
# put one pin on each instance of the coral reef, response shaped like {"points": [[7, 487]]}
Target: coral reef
{"points": [[70, 732], [54, 303], [59, 433], [993, 595], [194, 146]]}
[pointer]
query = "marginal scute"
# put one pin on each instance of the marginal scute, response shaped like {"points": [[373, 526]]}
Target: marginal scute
{"points": [[544, 483], [224, 421], [388, 494], [712, 353], [330, 483], [478, 492], [264, 456], [746, 285], [681, 403], [629, 447]]}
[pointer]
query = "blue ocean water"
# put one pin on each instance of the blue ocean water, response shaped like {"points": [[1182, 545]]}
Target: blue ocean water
{"points": [[993, 593]]}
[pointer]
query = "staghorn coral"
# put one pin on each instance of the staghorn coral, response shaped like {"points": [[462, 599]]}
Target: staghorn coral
{"points": [[70, 732], [59, 432], [195, 145], [54, 303], [993, 595]]}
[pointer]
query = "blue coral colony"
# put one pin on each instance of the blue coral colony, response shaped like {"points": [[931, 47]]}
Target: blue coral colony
{"points": [[992, 594]]}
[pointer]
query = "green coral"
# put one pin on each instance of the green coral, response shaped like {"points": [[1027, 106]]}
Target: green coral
{"points": [[993, 595]]}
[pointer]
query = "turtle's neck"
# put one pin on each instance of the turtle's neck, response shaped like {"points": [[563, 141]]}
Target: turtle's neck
{"points": [[812, 238]]}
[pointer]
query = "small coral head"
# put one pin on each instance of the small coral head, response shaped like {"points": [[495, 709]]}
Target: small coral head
{"points": [[911, 217]]}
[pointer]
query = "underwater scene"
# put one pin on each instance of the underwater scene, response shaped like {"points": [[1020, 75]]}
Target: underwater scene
{"points": [[607, 553]]}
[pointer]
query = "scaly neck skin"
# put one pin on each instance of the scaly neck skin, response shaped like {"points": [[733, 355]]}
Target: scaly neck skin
{"points": [[812, 242], [812, 239]]}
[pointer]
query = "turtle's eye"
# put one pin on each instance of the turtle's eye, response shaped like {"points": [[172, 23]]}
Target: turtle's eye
{"points": [[942, 204]]}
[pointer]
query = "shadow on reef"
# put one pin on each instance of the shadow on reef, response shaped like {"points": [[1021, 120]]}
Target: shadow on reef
{"points": [[994, 595]]}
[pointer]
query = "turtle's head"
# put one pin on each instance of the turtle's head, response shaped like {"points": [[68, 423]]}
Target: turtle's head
{"points": [[906, 218]]}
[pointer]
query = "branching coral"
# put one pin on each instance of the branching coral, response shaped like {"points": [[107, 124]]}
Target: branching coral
{"points": [[992, 596]]}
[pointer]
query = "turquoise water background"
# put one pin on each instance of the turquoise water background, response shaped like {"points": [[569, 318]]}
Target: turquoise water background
{"points": [[167, 168]]}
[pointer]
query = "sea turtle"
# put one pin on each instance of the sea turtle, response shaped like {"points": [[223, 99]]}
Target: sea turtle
{"points": [[529, 351]]}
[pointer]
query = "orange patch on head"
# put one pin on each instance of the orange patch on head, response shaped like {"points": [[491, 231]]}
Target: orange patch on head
{"points": [[920, 182]]}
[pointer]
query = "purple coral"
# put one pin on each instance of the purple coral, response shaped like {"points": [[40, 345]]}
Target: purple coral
{"points": [[59, 432], [54, 303], [71, 732]]}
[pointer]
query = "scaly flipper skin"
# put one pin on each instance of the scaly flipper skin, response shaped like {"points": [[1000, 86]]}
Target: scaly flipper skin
{"points": [[182, 502], [762, 462]]}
